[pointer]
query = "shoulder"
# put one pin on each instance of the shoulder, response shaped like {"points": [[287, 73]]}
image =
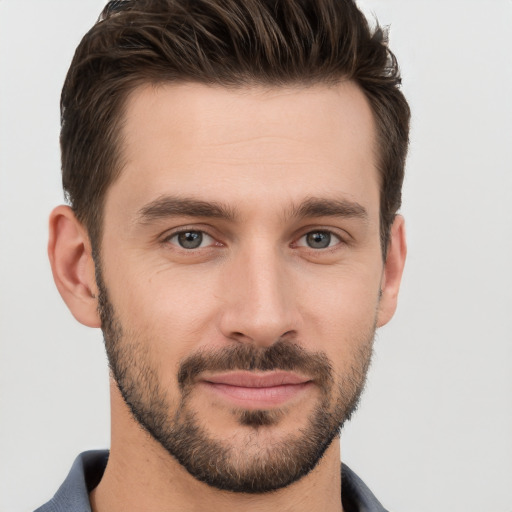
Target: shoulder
{"points": [[355, 494], [85, 474]]}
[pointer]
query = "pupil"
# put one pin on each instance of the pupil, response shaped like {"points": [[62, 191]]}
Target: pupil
{"points": [[318, 240], [190, 239]]}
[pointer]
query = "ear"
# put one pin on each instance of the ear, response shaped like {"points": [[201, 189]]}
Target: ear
{"points": [[70, 253], [392, 273]]}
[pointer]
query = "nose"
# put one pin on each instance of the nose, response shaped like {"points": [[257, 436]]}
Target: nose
{"points": [[259, 305]]}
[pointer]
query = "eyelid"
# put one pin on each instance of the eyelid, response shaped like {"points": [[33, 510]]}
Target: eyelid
{"points": [[169, 235], [330, 246], [343, 237], [206, 239]]}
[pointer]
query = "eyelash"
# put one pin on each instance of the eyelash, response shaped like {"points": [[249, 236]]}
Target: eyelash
{"points": [[327, 232], [331, 234], [168, 239]]}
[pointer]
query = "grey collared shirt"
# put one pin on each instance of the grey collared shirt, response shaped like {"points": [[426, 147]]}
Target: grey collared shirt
{"points": [[88, 468]]}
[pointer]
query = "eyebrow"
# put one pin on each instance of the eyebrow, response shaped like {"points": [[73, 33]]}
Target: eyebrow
{"points": [[319, 207], [170, 206]]}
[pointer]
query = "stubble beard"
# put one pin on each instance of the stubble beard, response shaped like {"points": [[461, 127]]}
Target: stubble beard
{"points": [[263, 466]]}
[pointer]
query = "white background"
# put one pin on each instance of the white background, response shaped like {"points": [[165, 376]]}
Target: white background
{"points": [[434, 431]]}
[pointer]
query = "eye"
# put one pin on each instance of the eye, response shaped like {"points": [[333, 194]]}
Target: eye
{"points": [[191, 239], [318, 240]]}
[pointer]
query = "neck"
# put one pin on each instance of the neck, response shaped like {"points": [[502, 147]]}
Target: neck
{"points": [[141, 476]]}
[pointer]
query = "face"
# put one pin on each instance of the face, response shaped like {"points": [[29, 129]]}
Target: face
{"points": [[240, 274]]}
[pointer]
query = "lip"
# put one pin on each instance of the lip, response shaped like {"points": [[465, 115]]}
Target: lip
{"points": [[252, 390]]}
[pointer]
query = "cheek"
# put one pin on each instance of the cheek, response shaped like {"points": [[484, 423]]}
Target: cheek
{"points": [[342, 313], [170, 311]]}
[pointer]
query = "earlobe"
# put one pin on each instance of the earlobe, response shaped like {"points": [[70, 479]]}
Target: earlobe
{"points": [[70, 254], [392, 274]]}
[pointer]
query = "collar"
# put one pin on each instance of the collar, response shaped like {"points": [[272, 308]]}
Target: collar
{"points": [[88, 468]]}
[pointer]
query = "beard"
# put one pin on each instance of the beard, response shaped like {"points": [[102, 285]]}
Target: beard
{"points": [[261, 466]]}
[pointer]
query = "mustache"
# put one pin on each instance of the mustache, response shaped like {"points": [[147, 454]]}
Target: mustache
{"points": [[281, 355]]}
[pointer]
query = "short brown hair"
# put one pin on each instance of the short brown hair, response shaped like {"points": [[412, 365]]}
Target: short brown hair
{"points": [[228, 43]]}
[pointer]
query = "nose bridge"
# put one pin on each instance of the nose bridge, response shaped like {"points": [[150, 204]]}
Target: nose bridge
{"points": [[259, 306]]}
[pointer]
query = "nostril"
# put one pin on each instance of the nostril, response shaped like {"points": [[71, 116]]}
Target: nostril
{"points": [[240, 337]]}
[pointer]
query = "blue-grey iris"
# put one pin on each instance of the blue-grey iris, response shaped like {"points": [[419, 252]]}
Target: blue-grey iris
{"points": [[318, 239], [190, 239]]}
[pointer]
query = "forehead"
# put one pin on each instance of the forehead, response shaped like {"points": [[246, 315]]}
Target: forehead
{"points": [[236, 144]]}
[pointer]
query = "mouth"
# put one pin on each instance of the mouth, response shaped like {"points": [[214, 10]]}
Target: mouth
{"points": [[253, 390]]}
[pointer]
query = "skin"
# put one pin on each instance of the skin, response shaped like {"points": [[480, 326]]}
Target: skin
{"points": [[261, 153]]}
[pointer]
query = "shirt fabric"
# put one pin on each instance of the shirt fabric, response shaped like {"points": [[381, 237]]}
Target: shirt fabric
{"points": [[88, 468]]}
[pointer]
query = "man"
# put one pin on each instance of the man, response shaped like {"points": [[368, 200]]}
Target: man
{"points": [[234, 172]]}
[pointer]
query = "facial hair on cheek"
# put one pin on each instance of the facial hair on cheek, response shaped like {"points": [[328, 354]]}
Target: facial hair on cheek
{"points": [[215, 461]]}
